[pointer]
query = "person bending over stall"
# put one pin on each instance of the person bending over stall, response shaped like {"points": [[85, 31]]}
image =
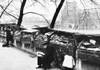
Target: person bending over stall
{"points": [[46, 60]]}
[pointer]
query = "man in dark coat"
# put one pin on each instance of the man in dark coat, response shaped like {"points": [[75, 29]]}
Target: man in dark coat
{"points": [[8, 36], [12, 37], [48, 57]]}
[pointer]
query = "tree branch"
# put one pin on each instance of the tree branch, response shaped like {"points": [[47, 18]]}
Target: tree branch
{"points": [[11, 15], [38, 2], [32, 3], [37, 14], [8, 13], [5, 8], [55, 2], [56, 13], [94, 2]]}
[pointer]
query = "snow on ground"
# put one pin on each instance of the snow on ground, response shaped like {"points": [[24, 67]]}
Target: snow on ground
{"points": [[14, 59]]}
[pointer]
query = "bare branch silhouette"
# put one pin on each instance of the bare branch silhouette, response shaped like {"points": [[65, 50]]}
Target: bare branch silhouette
{"points": [[56, 13], [32, 3], [94, 2], [5, 12], [37, 14], [5, 8], [39, 3], [55, 2]]}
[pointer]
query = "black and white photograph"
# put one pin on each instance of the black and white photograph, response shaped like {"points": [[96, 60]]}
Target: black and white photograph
{"points": [[49, 34]]}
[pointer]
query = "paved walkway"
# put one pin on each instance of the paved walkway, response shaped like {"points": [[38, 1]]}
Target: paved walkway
{"points": [[14, 59]]}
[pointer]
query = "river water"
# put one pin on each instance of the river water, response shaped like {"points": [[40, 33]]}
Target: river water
{"points": [[86, 66]]}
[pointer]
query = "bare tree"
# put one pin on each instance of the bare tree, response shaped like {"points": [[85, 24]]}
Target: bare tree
{"points": [[95, 2], [53, 20], [22, 14], [37, 14], [19, 17], [56, 13]]}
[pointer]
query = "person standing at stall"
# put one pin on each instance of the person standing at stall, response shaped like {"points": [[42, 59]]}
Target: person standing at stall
{"points": [[8, 37], [12, 37]]}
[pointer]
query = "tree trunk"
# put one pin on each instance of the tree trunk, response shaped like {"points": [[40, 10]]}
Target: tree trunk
{"points": [[75, 49], [56, 14], [21, 13]]}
